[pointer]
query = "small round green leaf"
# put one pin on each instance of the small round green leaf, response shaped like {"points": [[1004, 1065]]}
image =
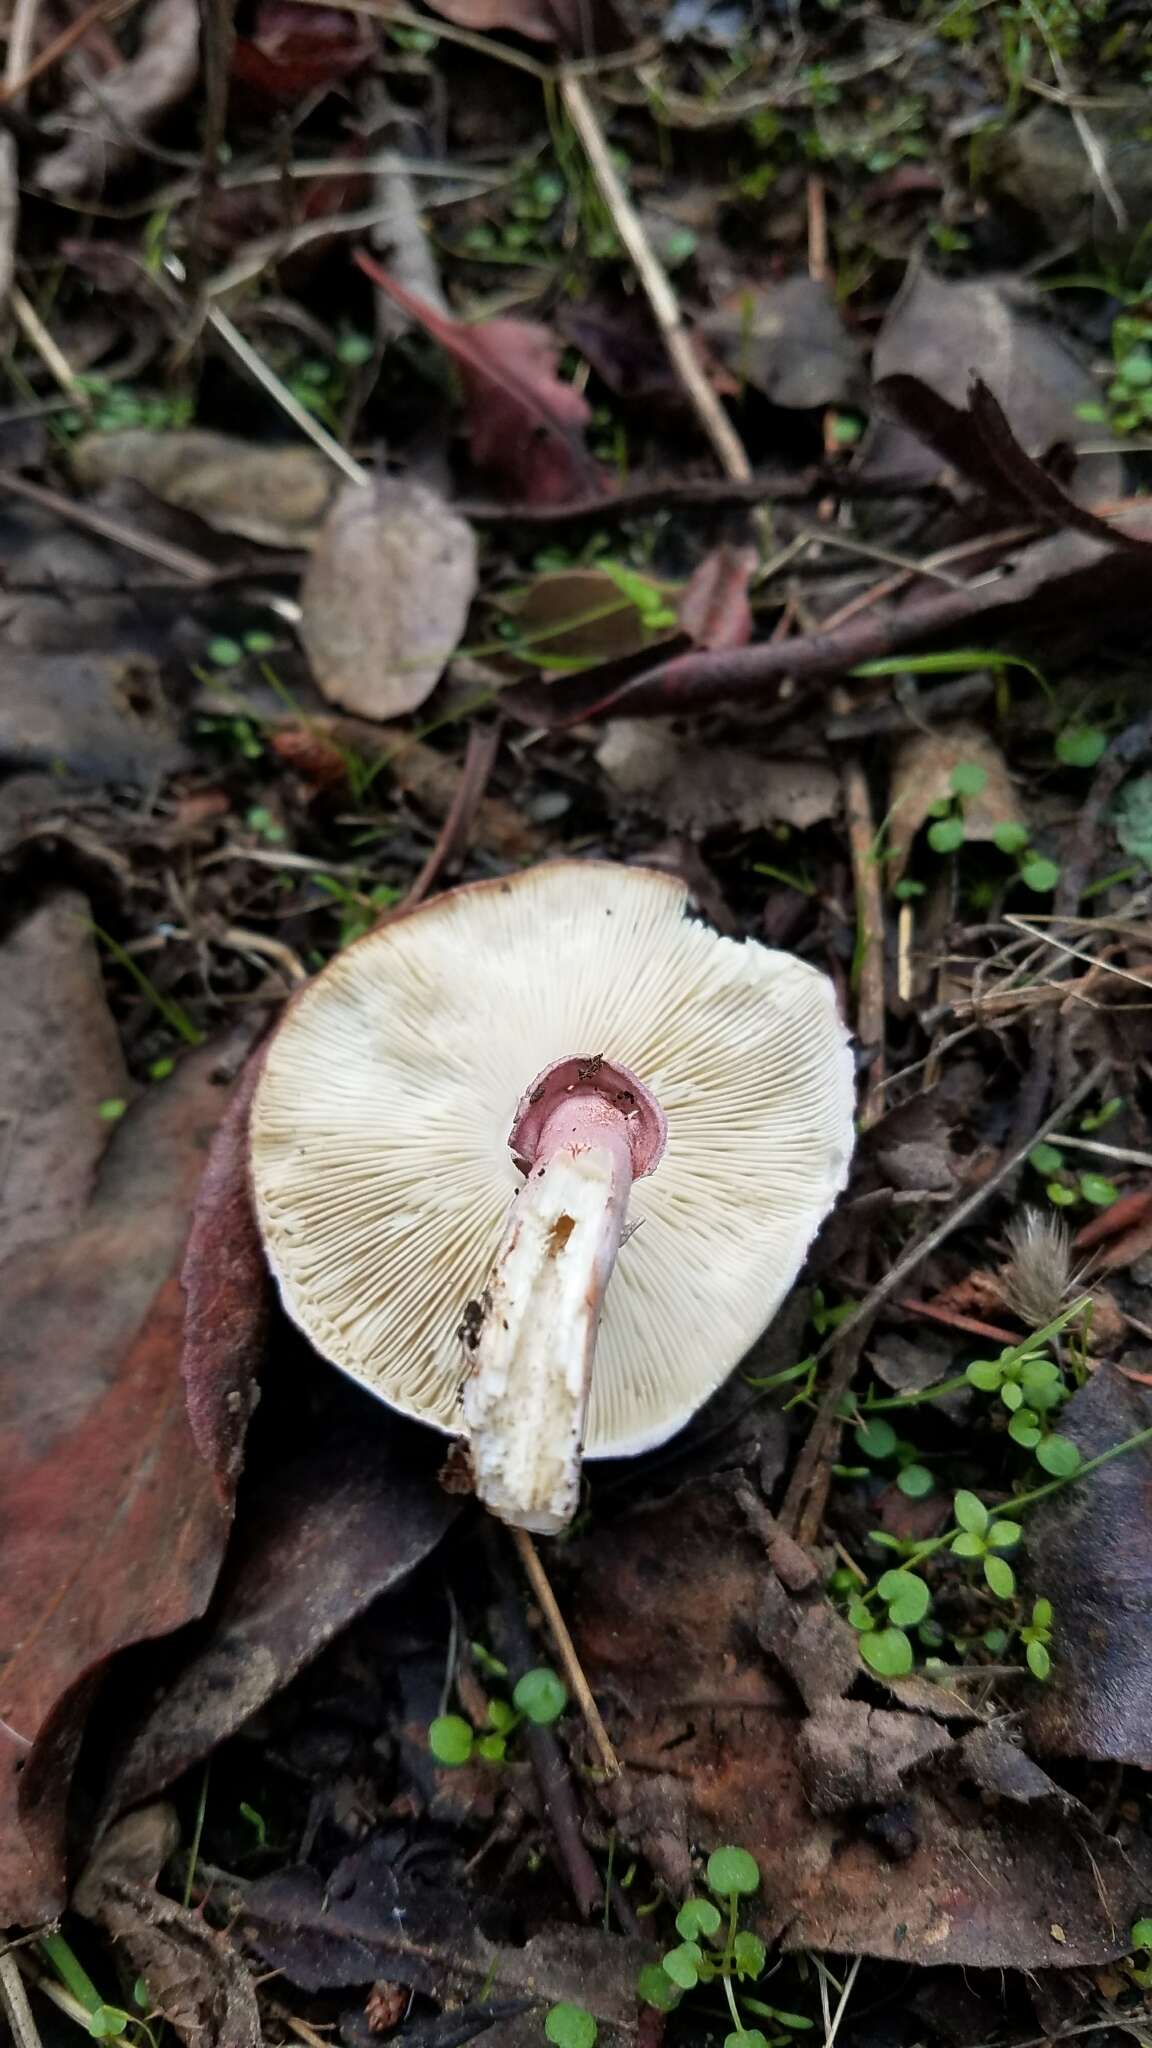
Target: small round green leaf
{"points": [[967, 1544], [748, 2037], [501, 1716], [1042, 1614], [1024, 1428], [655, 1987], [1000, 1576], [970, 1512], [1080, 746], [492, 1748], [915, 1481], [860, 1615], [906, 1597], [1059, 1456], [1046, 1159], [968, 778], [1012, 1395], [732, 1870], [877, 1438], [569, 2026], [887, 1651], [696, 1917], [1010, 837], [683, 1965], [450, 1739], [1040, 875], [1060, 1197], [984, 1373], [946, 835], [749, 1954], [1039, 1662], [995, 1639], [1100, 1192], [541, 1696], [1141, 1935], [225, 653]]}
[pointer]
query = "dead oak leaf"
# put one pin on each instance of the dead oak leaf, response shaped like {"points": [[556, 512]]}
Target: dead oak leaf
{"points": [[525, 425], [922, 776]]}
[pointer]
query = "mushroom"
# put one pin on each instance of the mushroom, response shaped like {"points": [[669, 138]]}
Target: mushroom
{"points": [[538, 1161]]}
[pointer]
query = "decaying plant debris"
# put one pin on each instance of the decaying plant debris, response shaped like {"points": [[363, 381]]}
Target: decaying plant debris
{"points": [[438, 441]]}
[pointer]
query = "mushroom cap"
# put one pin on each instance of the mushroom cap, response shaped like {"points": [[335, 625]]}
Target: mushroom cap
{"points": [[380, 1126]]}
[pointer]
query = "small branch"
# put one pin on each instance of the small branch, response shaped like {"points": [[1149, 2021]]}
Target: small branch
{"points": [[180, 560], [868, 961], [566, 1650], [14, 1999], [50, 353], [22, 69], [455, 832], [254, 362], [665, 306]]}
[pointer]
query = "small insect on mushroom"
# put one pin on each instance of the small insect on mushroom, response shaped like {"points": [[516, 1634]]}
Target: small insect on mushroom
{"points": [[462, 1121]]}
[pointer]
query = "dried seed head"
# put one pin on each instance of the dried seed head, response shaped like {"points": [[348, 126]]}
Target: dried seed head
{"points": [[1038, 1281]]}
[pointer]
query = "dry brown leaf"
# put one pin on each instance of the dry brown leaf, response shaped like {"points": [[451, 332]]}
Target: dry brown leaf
{"points": [[60, 1057], [789, 342], [101, 120], [715, 609], [196, 1980], [922, 776], [277, 496], [385, 596], [944, 333], [698, 789]]}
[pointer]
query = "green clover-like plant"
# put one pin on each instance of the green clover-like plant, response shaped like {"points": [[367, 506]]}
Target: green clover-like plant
{"points": [[1036, 1636]]}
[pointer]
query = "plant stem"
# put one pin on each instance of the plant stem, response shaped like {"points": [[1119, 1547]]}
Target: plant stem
{"points": [[1028, 1500], [729, 1962], [71, 1971]]}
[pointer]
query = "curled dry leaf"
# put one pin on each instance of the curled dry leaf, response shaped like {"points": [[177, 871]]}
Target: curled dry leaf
{"points": [[277, 496], [702, 789], [386, 595], [101, 1467], [196, 1980], [714, 608], [943, 333], [922, 776], [1090, 1554], [526, 425], [131, 100]]}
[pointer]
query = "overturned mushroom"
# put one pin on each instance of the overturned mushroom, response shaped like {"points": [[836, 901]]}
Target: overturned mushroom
{"points": [[540, 1160]]}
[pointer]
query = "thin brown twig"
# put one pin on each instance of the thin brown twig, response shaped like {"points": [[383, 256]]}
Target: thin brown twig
{"points": [[16, 82], [566, 1650], [868, 963], [726, 443], [15, 2002], [180, 560], [479, 761]]}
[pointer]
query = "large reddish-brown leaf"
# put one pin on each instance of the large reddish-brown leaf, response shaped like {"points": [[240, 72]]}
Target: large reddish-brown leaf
{"points": [[714, 609], [294, 50], [113, 1522], [525, 425]]}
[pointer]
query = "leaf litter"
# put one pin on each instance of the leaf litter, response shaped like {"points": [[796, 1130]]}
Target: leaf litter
{"points": [[252, 710]]}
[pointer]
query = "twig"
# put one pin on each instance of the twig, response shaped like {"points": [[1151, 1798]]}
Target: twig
{"points": [[565, 1650], [455, 832], [1120, 1152], [217, 43], [22, 69], [665, 306], [653, 494], [868, 960], [180, 560], [1089, 140], [803, 1506], [254, 362], [50, 353], [548, 1761], [15, 2002]]}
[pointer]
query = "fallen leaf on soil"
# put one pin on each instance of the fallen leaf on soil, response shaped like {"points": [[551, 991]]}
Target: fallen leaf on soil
{"points": [[1039, 164], [277, 496], [1090, 1554], [714, 608], [316, 1541], [294, 50], [944, 333], [385, 597], [714, 1744], [789, 342], [525, 425], [922, 776], [101, 717], [101, 122], [195, 1979], [577, 617], [367, 1921], [60, 1058], [115, 1527], [702, 789]]}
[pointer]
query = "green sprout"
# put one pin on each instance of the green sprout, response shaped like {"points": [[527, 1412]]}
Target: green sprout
{"points": [[539, 1697]]}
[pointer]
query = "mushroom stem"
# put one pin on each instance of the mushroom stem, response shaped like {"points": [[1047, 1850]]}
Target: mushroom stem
{"points": [[581, 1133]]}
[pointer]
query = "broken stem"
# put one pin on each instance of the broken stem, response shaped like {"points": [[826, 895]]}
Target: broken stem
{"points": [[566, 1651]]}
